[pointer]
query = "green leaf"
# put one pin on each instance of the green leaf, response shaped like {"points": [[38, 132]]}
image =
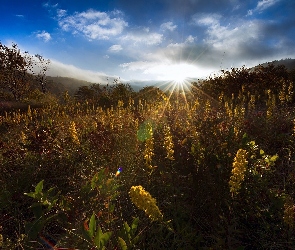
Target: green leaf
{"points": [[134, 225], [126, 226], [105, 238], [135, 239], [50, 190], [94, 180], [92, 225], [261, 152], [86, 234], [52, 204], [33, 195], [39, 187], [122, 243], [97, 238], [274, 158]]}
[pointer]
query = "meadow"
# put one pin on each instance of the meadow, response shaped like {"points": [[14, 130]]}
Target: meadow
{"points": [[210, 168]]}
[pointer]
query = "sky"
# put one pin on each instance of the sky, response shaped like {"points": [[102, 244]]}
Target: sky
{"points": [[151, 40]]}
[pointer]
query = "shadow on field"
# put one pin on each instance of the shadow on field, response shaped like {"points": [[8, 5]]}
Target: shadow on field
{"points": [[10, 106]]}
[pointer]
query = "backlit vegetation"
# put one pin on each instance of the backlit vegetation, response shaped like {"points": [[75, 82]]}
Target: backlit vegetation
{"points": [[208, 169]]}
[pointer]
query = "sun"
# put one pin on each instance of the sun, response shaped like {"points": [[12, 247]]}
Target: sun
{"points": [[178, 75], [179, 72], [175, 75], [179, 79]]}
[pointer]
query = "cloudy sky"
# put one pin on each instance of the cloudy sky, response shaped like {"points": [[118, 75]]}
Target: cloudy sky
{"points": [[149, 39]]}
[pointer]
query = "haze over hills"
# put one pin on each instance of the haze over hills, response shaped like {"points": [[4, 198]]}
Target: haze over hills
{"points": [[65, 84], [61, 84]]}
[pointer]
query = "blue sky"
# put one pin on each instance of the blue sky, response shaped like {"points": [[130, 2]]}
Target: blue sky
{"points": [[149, 40]]}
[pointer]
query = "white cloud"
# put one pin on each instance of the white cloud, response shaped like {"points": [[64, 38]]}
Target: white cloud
{"points": [[233, 38], [106, 56], [206, 19], [138, 65], [93, 24], [61, 13], [48, 5], [250, 13], [115, 48], [45, 36], [60, 69], [190, 39], [165, 70], [262, 5], [168, 26], [143, 38], [176, 71]]}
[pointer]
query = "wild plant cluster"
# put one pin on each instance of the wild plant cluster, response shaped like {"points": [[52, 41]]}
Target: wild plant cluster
{"points": [[205, 169]]}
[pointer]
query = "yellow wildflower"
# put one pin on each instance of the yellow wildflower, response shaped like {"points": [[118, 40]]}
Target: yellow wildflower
{"points": [[149, 146], [74, 133], [238, 171], [23, 137], [144, 201], [168, 143]]}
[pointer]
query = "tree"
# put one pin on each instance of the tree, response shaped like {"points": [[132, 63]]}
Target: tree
{"points": [[17, 71], [121, 92], [42, 65], [14, 77], [150, 94], [246, 82], [84, 93]]}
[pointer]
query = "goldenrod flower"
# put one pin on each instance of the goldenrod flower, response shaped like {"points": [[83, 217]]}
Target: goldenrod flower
{"points": [[149, 146], [74, 133], [23, 137], [238, 171], [29, 113], [168, 143], [144, 201]]}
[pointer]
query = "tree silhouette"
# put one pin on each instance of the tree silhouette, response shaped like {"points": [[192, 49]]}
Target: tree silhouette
{"points": [[42, 65], [13, 71], [241, 83], [17, 71]]}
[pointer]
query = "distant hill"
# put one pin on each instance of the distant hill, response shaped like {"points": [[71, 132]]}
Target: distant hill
{"points": [[58, 85], [288, 63]]}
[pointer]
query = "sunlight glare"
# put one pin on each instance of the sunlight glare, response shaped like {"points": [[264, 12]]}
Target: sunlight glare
{"points": [[177, 72]]}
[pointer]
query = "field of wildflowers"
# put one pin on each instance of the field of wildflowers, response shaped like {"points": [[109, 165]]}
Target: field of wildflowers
{"points": [[189, 170]]}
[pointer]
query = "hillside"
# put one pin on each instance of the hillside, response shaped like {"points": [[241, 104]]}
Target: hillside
{"points": [[288, 63], [58, 85]]}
